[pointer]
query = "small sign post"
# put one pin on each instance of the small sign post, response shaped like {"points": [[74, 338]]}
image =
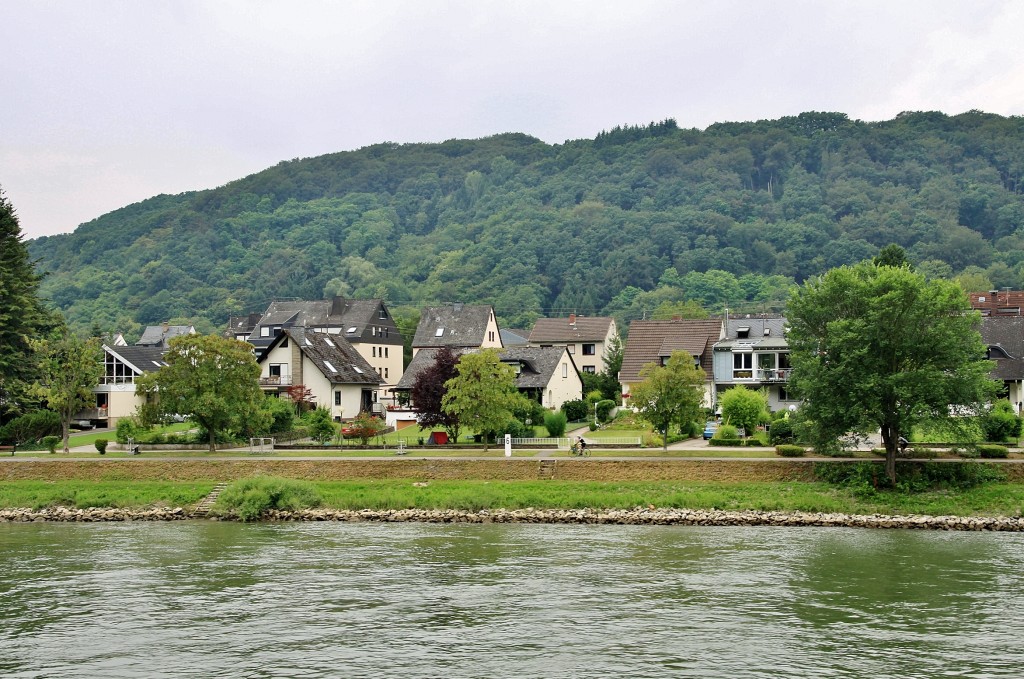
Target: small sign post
{"points": [[508, 445]]}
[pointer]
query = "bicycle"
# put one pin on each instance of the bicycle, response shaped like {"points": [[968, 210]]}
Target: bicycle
{"points": [[578, 449]]}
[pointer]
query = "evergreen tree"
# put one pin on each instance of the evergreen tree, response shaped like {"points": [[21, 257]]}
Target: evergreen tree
{"points": [[22, 315]]}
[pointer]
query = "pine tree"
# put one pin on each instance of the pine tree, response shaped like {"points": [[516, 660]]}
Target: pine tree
{"points": [[22, 316]]}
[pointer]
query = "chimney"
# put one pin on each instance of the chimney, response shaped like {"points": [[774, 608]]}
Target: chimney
{"points": [[337, 305], [572, 319], [166, 326]]}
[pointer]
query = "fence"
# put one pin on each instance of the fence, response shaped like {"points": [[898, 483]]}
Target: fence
{"points": [[563, 443]]}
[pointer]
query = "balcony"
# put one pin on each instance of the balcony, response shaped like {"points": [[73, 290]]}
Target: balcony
{"points": [[767, 375], [276, 381]]}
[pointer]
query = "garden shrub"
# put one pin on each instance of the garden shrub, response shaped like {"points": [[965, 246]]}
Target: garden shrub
{"points": [[992, 451], [866, 478], [555, 423], [968, 452], [515, 428], [128, 427], [726, 431], [101, 446], [51, 443], [604, 409], [575, 410], [252, 498], [787, 450], [364, 427], [781, 432], [725, 442], [282, 413], [1001, 423], [30, 427], [321, 427]]}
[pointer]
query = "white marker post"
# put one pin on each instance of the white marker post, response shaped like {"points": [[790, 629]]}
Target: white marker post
{"points": [[508, 445]]}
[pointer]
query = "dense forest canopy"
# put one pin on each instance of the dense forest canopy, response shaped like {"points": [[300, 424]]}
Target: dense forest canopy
{"points": [[639, 221]]}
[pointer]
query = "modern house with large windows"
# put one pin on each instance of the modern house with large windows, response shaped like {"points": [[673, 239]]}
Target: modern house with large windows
{"points": [[754, 353]]}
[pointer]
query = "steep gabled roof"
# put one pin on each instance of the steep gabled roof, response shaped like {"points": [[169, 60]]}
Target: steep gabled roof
{"points": [[571, 329], [140, 359], [648, 339], [334, 356], [159, 335], [423, 359], [513, 337], [538, 364], [1007, 334], [455, 325]]}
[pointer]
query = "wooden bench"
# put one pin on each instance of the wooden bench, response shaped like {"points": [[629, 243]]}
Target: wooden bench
{"points": [[7, 449]]}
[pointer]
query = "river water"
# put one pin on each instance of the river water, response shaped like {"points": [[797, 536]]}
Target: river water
{"points": [[210, 599]]}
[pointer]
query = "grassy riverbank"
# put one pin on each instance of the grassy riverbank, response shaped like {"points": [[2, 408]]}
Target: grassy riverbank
{"points": [[995, 499]]}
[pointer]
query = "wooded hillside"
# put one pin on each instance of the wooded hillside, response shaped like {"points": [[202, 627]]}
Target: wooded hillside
{"points": [[634, 222]]}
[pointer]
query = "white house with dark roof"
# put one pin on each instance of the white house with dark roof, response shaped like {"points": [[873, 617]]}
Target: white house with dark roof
{"points": [[464, 326], [1003, 336], [116, 394], [365, 323], [338, 376], [547, 375], [587, 338]]}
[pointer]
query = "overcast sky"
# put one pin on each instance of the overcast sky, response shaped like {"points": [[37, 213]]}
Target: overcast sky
{"points": [[106, 103]]}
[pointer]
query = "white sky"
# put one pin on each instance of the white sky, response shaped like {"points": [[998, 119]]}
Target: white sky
{"points": [[105, 103]]}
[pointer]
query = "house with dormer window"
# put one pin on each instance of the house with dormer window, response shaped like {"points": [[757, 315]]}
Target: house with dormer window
{"points": [[337, 375], [655, 342], [116, 393], [588, 339], [366, 324], [753, 352], [463, 326]]}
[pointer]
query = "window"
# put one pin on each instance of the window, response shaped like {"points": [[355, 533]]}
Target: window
{"points": [[383, 314], [565, 370], [351, 330], [265, 331], [438, 332], [385, 352], [275, 369], [284, 343], [590, 369], [571, 348], [337, 398], [784, 362], [330, 367], [785, 395], [589, 349], [356, 368], [490, 335], [329, 342], [385, 373], [373, 330], [742, 366], [373, 352]]}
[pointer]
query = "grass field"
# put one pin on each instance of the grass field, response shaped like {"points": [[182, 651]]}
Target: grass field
{"points": [[997, 499]]}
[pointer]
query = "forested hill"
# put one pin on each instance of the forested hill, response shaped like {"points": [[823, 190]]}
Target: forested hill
{"points": [[635, 221]]}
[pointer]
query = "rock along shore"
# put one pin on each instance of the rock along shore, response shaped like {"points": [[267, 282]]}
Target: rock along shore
{"points": [[638, 516]]}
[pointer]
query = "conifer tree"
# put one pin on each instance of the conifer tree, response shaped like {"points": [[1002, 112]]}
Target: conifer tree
{"points": [[22, 316]]}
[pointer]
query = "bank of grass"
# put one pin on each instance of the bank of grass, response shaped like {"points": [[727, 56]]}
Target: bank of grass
{"points": [[256, 494], [84, 494]]}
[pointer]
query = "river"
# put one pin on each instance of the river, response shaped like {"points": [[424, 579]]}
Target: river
{"points": [[212, 599]]}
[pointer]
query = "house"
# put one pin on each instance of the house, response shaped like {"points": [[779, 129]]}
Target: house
{"points": [[337, 375], [366, 324], [547, 375], [753, 352], [465, 326], [1004, 339], [998, 302], [160, 335], [116, 394], [588, 339], [655, 341]]}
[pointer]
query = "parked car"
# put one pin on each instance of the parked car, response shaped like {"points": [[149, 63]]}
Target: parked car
{"points": [[710, 427]]}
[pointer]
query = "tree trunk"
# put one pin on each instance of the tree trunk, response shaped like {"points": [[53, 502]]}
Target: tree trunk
{"points": [[213, 444], [891, 441], [65, 428], [664, 440]]}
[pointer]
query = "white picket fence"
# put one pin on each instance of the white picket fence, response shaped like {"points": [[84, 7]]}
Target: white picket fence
{"points": [[563, 443]]}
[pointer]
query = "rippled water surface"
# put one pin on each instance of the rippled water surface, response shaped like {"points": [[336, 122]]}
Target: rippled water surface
{"points": [[207, 599]]}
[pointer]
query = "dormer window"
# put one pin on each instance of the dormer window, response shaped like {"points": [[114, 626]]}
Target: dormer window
{"points": [[383, 314], [743, 332]]}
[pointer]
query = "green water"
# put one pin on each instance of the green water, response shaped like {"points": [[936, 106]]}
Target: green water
{"points": [[208, 599]]}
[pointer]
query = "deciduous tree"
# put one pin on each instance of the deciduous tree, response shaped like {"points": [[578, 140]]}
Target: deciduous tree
{"points": [[213, 380], [483, 394], [882, 348], [743, 407], [429, 389], [669, 394], [69, 367]]}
